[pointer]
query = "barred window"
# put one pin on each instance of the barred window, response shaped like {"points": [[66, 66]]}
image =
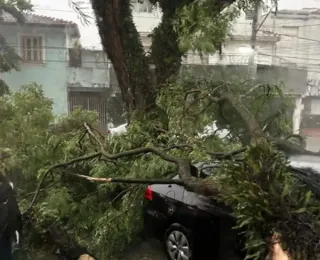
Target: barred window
{"points": [[32, 49]]}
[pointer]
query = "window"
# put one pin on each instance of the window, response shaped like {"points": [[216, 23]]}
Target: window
{"points": [[32, 49]]}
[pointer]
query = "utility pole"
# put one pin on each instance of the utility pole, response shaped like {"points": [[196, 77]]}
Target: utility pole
{"points": [[252, 66]]}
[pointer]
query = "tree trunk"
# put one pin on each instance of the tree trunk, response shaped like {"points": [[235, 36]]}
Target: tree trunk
{"points": [[165, 52], [121, 41]]}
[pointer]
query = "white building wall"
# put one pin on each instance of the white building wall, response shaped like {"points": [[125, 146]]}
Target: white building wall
{"points": [[147, 18], [299, 33], [299, 45]]}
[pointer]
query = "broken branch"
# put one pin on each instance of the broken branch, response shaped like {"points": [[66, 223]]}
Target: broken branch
{"points": [[129, 181], [184, 166], [56, 166]]}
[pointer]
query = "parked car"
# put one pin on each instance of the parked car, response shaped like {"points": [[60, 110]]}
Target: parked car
{"points": [[190, 225], [195, 227]]}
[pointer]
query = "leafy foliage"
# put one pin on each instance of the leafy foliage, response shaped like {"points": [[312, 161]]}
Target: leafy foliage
{"points": [[190, 106], [9, 59], [105, 218], [266, 198], [89, 211], [203, 25], [198, 30]]}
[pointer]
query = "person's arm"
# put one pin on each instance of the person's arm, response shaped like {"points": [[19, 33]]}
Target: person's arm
{"points": [[277, 252]]}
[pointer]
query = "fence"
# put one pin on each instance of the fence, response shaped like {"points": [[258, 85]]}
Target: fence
{"points": [[93, 101]]}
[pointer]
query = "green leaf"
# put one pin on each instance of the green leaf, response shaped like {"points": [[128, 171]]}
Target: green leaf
{"points": [[301, 210], [285, 191], [307, 197]]}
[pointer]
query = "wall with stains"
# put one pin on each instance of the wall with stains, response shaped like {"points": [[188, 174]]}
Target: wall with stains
{"points": [[91, 72]]}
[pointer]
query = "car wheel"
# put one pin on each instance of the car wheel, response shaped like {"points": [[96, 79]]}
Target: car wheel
{"points": [[178, 243]]}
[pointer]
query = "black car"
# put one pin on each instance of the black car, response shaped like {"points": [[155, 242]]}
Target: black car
{"points": [[190, 225], [196, 227]]}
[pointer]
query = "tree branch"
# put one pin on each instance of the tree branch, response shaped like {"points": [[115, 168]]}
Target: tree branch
{"points": [[228, 155], [251, 90], [184, 165], [129, 181], [301, 139], [56, 166], [253, 127]]}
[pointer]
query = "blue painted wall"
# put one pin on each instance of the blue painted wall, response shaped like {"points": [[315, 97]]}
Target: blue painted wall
{"points": [[52, 74]]}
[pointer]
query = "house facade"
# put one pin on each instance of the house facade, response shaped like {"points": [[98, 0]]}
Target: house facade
{"points": [[90, 87], [235, 50], [299, 35], [299, 47], [42, 43]]}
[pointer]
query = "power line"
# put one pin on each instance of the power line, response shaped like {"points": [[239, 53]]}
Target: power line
{"points": [[288, 35], [89, 9], [157, 17], [290, 57], [229, 55]]}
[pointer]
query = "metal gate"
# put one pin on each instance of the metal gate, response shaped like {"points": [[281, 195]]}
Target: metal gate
{"points": [[93, 101]]}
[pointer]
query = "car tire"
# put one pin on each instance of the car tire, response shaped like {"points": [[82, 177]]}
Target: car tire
{"points": [[178, 243]]}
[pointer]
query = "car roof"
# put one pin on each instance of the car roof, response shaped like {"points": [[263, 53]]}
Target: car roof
{"points": [[305, 162], [311, 162]]}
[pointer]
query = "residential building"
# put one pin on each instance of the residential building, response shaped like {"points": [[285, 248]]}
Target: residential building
{"points": [[299, 47], [299, 34], [42, 43], [89, 85], [236, 49], [145, 15]]}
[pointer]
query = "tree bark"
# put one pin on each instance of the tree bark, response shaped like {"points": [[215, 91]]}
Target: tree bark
{"points": [[121, 41], [165, 52]]}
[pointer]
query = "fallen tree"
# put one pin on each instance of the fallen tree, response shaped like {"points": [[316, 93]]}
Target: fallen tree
{"points": [[64, 170], [263, 173]]}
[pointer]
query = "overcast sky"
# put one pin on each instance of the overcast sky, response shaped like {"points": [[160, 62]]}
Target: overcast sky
{"points": [[89, 34]]}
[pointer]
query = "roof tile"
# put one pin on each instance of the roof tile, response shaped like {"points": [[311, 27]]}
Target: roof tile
{"points": [[37, 19]]}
